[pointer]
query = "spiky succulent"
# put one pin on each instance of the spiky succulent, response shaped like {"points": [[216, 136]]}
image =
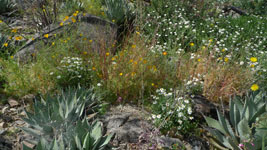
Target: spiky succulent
{"points": [[242, 118], [58, 117]]}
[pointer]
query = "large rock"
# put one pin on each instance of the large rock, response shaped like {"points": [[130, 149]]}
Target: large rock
{"points": [[103, 33], [132, 130]]}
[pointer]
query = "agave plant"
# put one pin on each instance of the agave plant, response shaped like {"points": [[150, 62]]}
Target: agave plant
{"points": [[6, 6], [55, 117], [118, 11], [241, 131], [84, 137]]}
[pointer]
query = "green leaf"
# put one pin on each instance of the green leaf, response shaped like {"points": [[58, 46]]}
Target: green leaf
{"points": [[215, 124], [244, 130]]}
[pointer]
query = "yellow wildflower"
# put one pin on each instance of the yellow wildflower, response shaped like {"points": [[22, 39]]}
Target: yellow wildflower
{"points": [[144, 61], [9, 38], [93, 68], [131, 60], [11, 57], [81, 34], [254, 87], [46, 35], [203, 47], [1, 21], [198, 59], [107, 54], [164, 53], [252, 65], [253, 59], [226, 59], [66, 18], [14, 31], [90, 41], [61, 24], [85, 53], [133, 46], [192, 44], [5, 44], [133, 73], [33, 39], [76, 11], [152, 84], [138, 33], [18, 38], [53, 43], [121, 74], [211, 40], [223, 50], [113, 58], [74, 14], [113, 20], [53, 56], [102, 13], [84, 14], [73, 20]]}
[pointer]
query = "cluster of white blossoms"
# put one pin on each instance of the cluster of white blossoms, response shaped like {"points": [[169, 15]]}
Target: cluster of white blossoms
{"points": [[176, 108], [73, 65]]}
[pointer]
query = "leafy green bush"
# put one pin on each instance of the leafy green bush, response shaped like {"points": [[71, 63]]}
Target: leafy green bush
{"points": [[6, 6], [118, 11], [59, 117], [242, 117], [172, 113], [73, 71]]}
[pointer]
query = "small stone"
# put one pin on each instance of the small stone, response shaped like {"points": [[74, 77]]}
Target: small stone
{"points": [[19, 122], [3, 125], [13, 109], [12, 102], [4, 109]]}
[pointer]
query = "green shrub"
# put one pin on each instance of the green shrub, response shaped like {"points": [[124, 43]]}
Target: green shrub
{"points": [[118, 11], [242, 117], [172, 113], [6, 6]]}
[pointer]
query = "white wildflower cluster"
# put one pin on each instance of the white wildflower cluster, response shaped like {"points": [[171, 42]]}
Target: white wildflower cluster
{"points": [[170, 110], [194, 84], [72, 68]]}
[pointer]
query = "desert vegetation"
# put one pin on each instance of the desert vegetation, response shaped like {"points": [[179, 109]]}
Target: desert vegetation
{"points": [[79, 58]]}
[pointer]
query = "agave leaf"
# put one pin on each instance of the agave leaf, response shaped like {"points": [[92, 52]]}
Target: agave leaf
{"points": [[78, 142], [232, 113], [223, 123], [215, 124], [102, 142], [259, 112], [221, 138], [244, 130], [86, 142], [24, 147], [33, 132], [96, 133], [232, 143], [55, 145]]}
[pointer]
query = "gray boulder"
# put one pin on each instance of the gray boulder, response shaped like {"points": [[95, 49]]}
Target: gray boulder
{"points": [[102, 32]]}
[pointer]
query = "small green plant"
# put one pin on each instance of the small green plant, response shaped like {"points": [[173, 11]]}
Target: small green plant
{"points": [[6, 6], [242, 118], [73, 71], [56, 116], [118, 11]]}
